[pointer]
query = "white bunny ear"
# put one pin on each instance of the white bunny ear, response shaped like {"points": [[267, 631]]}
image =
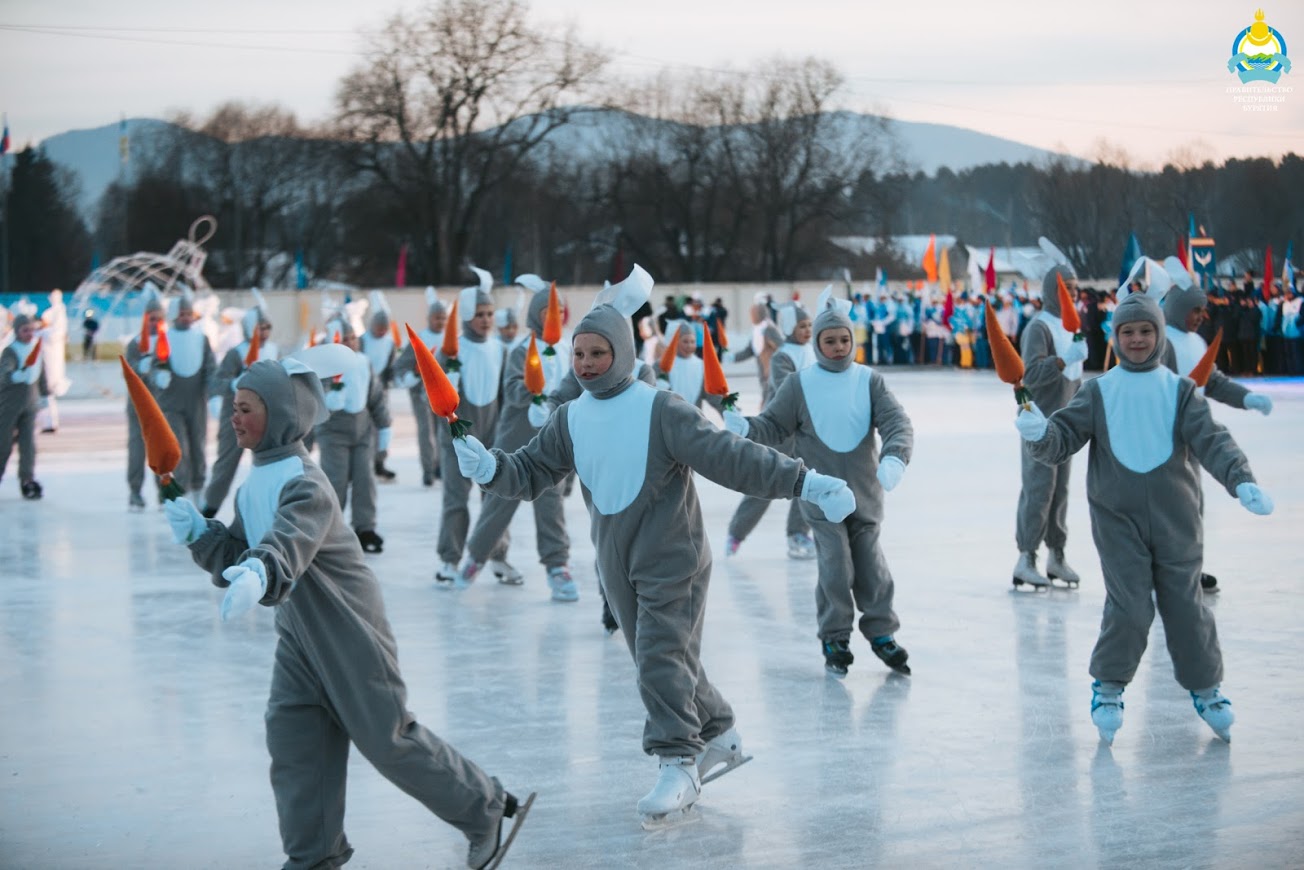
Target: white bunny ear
{"points": [[1050, 250], [825, 298], [486, 280], [326, 360], [431, 296], [466, 302], [787, 319], [629, 295], [532, 282], [378, 303], [1160, 281], [1177, 272], [1124, 289]]}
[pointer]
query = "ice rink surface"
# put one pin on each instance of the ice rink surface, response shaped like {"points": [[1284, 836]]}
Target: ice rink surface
{"points": [[131, 730]]}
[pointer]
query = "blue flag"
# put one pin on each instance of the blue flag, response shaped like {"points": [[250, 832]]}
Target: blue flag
{"points": [[300, 275], [1131, 254]]}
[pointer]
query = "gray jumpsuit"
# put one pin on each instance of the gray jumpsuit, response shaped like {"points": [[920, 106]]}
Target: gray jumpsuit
{"points": [[346, 442], [184, 401], [635, 449], [18, 407], [142, 363], [1144, 423], [335, 676], [843, 402], [427, 443], [228, 451]]}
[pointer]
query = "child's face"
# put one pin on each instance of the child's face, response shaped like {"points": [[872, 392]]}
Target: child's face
{"points": [[1137, 340], [507, 334], [835, 343], [185, 319], [155, 318], [352, 342], [592, 356], [378, 329], [249, 419], [686, 342], [25, 332], [264, 332], [1194, 318], [437, 321], [482, 321], [801, 332]]}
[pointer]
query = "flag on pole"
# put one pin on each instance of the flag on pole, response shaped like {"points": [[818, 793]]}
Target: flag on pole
{"points": [[1131, 254], [507, 266], [1288, 269], [944, 270], [4, 140], [930, 260], [300, 274], [989, 277], [400, 273], [1267, 275], [124, 146]]}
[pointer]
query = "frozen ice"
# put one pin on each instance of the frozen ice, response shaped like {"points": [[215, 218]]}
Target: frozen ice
{"points": [[131, 730]]}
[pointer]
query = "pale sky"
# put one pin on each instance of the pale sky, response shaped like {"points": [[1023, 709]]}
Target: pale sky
{"points": [[1150, 77]]}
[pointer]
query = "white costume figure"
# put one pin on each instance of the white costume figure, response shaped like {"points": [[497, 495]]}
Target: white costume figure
{"points": [[21, 388], [54, 355], [182, 389]]}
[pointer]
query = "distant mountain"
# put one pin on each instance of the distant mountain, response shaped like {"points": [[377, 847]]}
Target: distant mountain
{"points": [[94, 154]]}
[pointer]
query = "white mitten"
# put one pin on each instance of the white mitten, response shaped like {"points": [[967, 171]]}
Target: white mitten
{"points": [[538, 414], [162, 378], [185, 519], [248, 585], [382, 439], [454, 378], [335, 400], [146, 363], [33, 374], [1260, 402], [215, 410], [408, 380], [1077, 352], [1031, 424], [726, 356], [737, 423], [890, 471], [1255, 500], [473, 460], [830, 494], [19, 377]]}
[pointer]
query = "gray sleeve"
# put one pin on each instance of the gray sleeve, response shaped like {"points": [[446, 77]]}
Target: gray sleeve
{"points": [[1223, 389], [1068, 429], [228, 371], [567, 391], [515, 395], [723, 457], [646, 374], [539, 465], [745, 354], [303, 519], [378, 404], [406, 362], [9, 364], [219, 547], [1040, 369], [891, 421], [781, 365], [779, 420], [1169, 358], [1210, 441]]}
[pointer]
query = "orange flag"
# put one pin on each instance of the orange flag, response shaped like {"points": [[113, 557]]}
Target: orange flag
{"points": [[33, 355], [930, 260], [255, 346], [1204, 368], [552, 321], [534, 379], [440, 392], [162, 451], [713, 379], [1009, 365]]}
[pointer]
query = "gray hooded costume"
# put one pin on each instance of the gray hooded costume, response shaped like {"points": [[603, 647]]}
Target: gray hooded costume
{"points": [[183, 395], [223, 384], [635, 449], [1043, 500], [480, 390], [142, 362], [1144, 422], [1183, 349], [789, 358], [513, 432], [19, 401], [405, 365], [335, 677], [833, 409], [346, 441]]}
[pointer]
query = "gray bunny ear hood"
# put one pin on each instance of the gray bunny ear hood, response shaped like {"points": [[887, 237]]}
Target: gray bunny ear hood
{"points": [[291, 390], [1139, 307]]}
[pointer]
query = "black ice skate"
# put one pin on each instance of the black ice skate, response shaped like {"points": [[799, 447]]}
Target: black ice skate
{"points": [[371, 542], [31, 490], [893, 654], [489, 852], [383, 474], [1208, 583], [837, 657], [608, 620]]}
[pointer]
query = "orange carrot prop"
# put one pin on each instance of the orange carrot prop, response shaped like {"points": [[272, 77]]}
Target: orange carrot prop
{"points": [[394, 333], [338, 339], [34, 355], [668, 357], [1009, 366], [724, 339], [534, 379], [440, 393], [162, 452], [450, 346], [312, 338], [162, 348], [1204, 368], [552, 321], [143, 344], [255, 347], [713, 379], [1068, 311]]}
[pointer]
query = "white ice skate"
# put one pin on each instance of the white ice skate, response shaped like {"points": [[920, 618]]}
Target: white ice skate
{"points": [[447, 576], [800, 546], [726, 749], [562, 584], [1107, 709], [1215, 710], [671, 800], [467, 574], [506, 574], [1025, 571], [488, 853], [1058, 569]]}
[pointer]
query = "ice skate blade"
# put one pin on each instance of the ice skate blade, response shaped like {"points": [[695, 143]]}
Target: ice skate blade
{"points": [[721, 771], [1106, 736], [1034, 587], [517, 820], [836, 672], [1058, 582], [666, 821]]}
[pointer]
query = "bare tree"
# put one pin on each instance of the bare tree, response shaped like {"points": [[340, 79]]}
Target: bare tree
{"points": [[452, 101], [1084, 209]]}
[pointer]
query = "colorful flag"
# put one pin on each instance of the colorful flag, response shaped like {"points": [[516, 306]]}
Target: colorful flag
{"points": [[930, 260], [1181, 253], [1288, 269], [989, 277], [944, 270], [124, 146], [1131, 254], [400, 273], [4, 140], [1267, 275], [300, 274]]}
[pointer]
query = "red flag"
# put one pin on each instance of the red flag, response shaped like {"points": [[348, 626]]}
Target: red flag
{"points": [[948, 308], [989, 277], [400, 274], [930, 260], [1267, 275], [1181, 253]]}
